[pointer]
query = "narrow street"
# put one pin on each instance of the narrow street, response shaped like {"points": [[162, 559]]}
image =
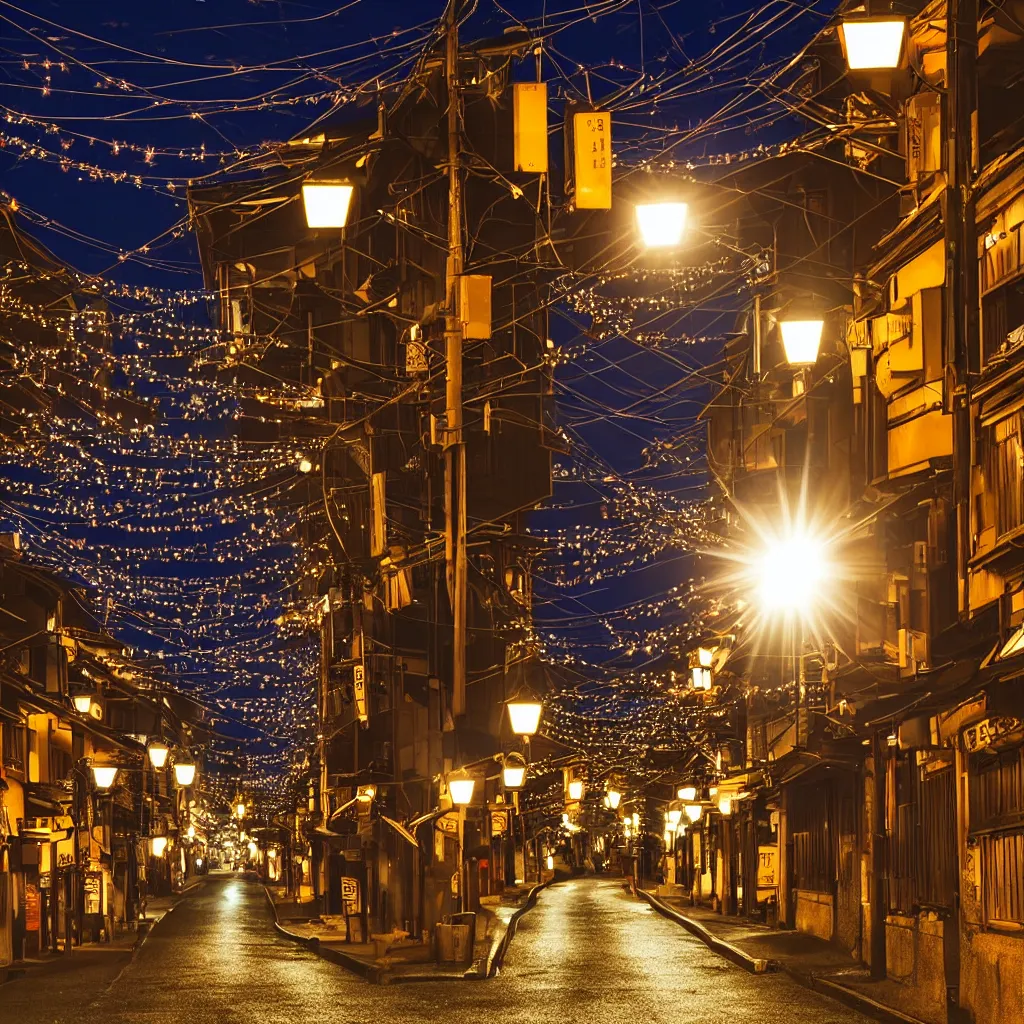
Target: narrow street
{"points": [[586, 952]]}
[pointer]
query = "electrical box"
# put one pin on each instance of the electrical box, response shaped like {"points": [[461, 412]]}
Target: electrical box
{"points": [[475, 306], [924, 135], [592, 160], [530, 117]]}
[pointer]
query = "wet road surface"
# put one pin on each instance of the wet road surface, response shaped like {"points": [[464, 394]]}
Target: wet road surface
{"points": [[586, 953]]}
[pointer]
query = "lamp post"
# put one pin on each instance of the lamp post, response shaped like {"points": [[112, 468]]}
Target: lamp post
{"points": [[872, 43], [513, 777], [460, 789]]}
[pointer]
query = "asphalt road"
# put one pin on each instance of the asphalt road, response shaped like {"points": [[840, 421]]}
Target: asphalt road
{"points": [[586, 953]]}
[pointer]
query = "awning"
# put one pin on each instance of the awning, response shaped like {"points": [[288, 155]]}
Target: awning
{"points": [[401, 830]]}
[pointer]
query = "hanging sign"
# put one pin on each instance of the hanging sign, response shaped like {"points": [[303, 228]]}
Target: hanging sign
{"points": [[499, 823], [767, 866], [31, 908], [990, 730], [359, 688], [592, 160]]}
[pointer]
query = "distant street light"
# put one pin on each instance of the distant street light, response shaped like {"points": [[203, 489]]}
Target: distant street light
{"points": [[240, 810], [305, 465], [524, 716], [661, 225], [326, 203], [104, 775], [461, 789], [872, 44], [801, 340], [158, 752], [513, 772]]}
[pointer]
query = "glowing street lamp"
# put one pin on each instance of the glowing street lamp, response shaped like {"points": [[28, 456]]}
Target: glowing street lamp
{"points": [[326, 203], [614, 797], [158, 752], [240, 810], [687, 794], [365, 794], [83, 703], [801, 340], [158, 845], [661, 225], [524, 715], [104, 775], [789, 574], [513, 772], [305, 465], [184, 773], [674, 815], [461, 789], [576, 790], [872, 44], [694, 811]]}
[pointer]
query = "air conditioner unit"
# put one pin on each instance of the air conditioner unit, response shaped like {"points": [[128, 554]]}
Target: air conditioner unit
{"points": [[913, 649]]}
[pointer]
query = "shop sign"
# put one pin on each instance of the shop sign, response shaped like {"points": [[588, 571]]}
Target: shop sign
{"points": [[93, 888], [990, 730], [350, 895], [767, 866], [499, 823], [449, 823]]}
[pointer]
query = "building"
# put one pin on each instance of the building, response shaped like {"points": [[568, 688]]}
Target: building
{"points": [[868, 788], [354, 318]]}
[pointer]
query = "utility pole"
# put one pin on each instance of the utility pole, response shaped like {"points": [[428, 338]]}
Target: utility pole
{"points": [[455, 448], [961, 320]]}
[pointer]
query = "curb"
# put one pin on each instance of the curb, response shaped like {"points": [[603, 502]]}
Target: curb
{"points": [[752, 964], [498, 956], [382, 976], [757, 965], [849, 997]]}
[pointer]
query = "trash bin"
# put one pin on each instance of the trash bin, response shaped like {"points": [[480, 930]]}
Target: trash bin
{"points": [[455, 939]]}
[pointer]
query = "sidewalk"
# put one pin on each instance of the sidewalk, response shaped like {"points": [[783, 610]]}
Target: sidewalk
{"points": [[811, 961], [100, 955], [407, 960]]}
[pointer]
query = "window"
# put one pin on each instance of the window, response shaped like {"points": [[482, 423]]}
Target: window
{"points": [[14, 747], [810, 825], [997, 824]]}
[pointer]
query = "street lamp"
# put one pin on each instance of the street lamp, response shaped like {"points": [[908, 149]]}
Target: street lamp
{"points": [[104, 775], [674, 815], [305, 466], [461, 788], [158, 752], [184, 773], [694, 811], [801, 340], [661, 225], [687, 794], [789, 572], [524, 715], [83, 703], [576, 790], [513, 771], [365, 794], [240, 810], [614, 797], [326, 203], [872, 44], [158, 845]]}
